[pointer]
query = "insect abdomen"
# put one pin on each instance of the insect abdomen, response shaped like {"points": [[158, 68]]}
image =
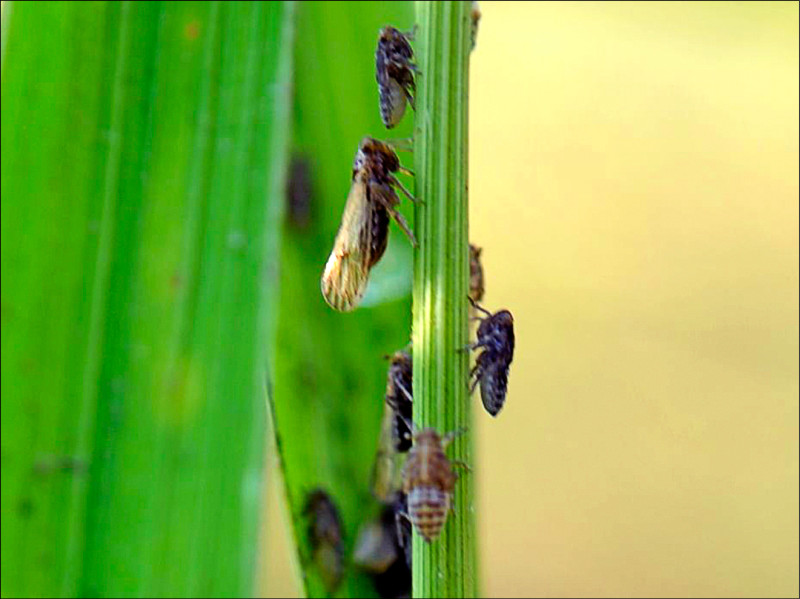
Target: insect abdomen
{"points": [[392, 102], [380, 234], [494, 384], [427, 510]]}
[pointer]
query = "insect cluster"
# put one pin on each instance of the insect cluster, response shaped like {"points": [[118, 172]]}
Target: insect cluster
{"points": [[412, 478]]}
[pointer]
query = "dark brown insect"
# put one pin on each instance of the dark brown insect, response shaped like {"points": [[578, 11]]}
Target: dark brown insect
{"points": [[394, 72], [475, 273], [325, 536], [299, 192], [398, 397], [396, 435], [428, 482], [364, 231], [383, 549], [496, 337], [475, 17]]}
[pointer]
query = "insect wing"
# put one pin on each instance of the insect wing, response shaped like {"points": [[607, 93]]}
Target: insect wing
{"points": [[386, 468], [392, 102], [494, 385], [347, 270]]}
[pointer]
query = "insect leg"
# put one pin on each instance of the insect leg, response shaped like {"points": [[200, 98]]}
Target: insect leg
{"points": [[405, 391], [448, 438], [478, 307], [407, 422], [410, 97], [462, 464], [409, 35], [387, 198], [395, 181], [407, 171], [398, 514], [471, 346], [476, 369], [403, 225]]}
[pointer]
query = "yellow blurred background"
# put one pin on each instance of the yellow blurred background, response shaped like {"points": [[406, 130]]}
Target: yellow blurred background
{"points": [[634, 184]]}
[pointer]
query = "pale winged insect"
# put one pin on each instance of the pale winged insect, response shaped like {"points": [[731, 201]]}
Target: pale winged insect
{"points": [[364, 232], [496, 336], [394, 71], [325, 537]]}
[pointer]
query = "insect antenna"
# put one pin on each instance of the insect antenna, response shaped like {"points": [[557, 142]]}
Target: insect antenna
{"points": [[478, 307]]}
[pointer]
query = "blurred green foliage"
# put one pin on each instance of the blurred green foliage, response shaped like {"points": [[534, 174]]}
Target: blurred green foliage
{"points": [[330, 372], [143, 166]]}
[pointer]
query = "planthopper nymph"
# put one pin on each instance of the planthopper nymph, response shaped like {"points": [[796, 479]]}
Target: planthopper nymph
{"points": [[364, 231], [428, 482], [394, 72]]}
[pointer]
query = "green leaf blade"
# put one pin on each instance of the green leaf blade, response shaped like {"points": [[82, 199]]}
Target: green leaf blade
{"points": [[157, 170]]}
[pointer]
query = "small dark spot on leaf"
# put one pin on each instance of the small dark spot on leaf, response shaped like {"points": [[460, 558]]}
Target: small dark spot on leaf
{"points": [[192, 30], [299, 192], [25, 508]]}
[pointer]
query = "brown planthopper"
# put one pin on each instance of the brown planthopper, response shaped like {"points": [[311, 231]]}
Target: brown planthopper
{"points": [[383, 549], [496, 336], [325, 536], [475, 18], [396, 435], [475, 274], [394, 71], [364, 231], [428, 482], [398, 396]]}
